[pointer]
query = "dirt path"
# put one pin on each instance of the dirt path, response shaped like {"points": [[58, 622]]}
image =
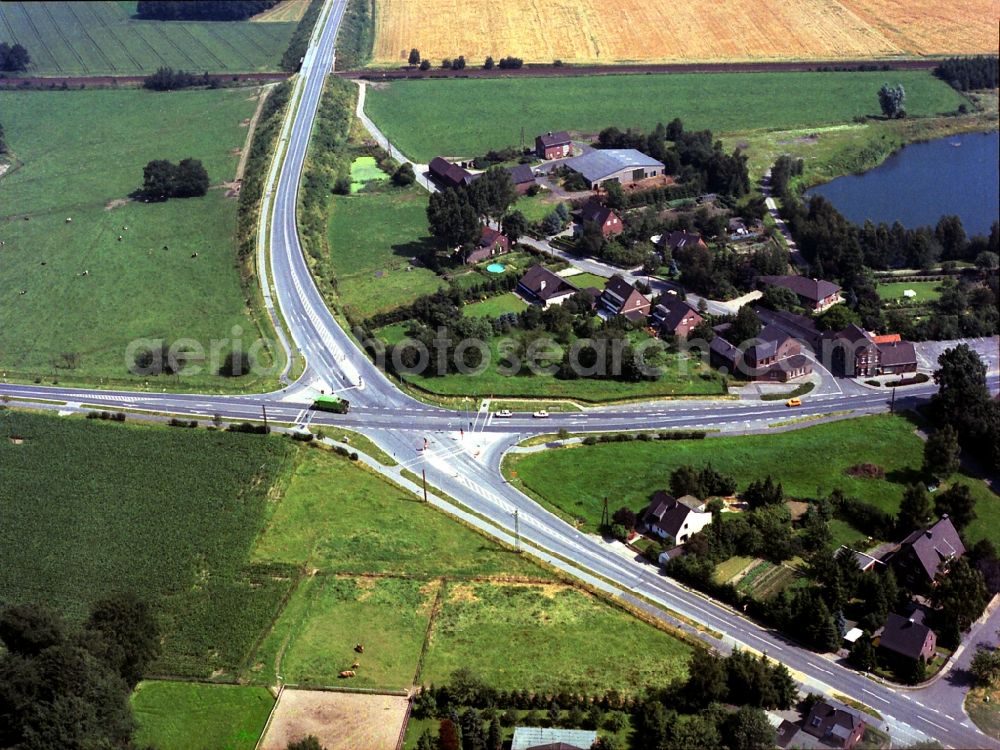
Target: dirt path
{"points": [[251, 127]]}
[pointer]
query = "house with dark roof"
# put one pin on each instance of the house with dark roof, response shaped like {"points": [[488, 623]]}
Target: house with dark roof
{"points": [[675, 317], [522, 176], [824, 727], [908, 637], [773, 356], [814, 294], [677, 519], [678, 240], [924, 554], [553, 145], [597, 213], [854, 353], [448, 175], [621, 298], [623, 165], [552, 738], [491, 242], [540, 286], [896, 357]]}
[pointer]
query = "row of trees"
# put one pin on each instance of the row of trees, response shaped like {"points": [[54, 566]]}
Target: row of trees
{"points": [[506, 63], [205, 10], [162, 179], [13, 58], [168, 79], [68, 686], [969, 73]]}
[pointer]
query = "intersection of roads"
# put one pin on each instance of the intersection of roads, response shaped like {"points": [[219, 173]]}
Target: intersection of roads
{"points": [[460, 451]]}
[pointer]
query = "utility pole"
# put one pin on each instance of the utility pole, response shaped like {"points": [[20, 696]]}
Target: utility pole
{"points": [[605, 520], [892, 402], [263, 408], [517, 533], [424, 473], [522, 138]]}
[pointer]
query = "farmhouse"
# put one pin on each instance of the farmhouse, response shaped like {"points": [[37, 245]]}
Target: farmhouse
{"points": [[540, 286], [624, 165], [907, 637], [814, 294], [679, 239], [925, 553], [773, 356], [553, 145], [448, 175], [675, 518], [675, 317], [609, 222], [491, 242], [539, 738], [854, 352], [621, 298], [522, 176], [824, 727]]}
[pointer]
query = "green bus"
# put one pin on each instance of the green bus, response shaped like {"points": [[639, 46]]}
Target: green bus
{"points": [[331, 403]]}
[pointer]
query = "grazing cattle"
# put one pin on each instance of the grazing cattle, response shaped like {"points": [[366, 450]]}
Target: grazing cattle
{"points": [[359, 648], [347, 673], [355, 665]]}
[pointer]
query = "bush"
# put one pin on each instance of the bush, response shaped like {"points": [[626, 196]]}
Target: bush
{"points": [[303, 437], [174, 422], [250, 428], [113, 416]]}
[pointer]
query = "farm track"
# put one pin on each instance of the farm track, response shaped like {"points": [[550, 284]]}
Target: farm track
{"points": [[555, 71]]}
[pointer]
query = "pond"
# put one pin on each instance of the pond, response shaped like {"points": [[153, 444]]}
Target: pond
{"points": [[925, 181], [365, 169]]}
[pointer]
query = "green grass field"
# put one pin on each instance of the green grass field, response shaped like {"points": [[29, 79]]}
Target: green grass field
{"points": [[372, 238], [536, 207], [92, 508], [78, 152], [549, 638], [196, 716], [575, 481], [494, 307], [425, 118], [927, 291], [103, 38]]}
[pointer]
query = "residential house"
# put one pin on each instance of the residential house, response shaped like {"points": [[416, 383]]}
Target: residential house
{"points": [[623, 165], [541, 738], [678, 240], [824, 727], [814, 294], [773, 356], [491, 243], [675, 317], [923, 554], [522, 176], [896, 357], [675, 518], [553, 145], [621, 298], [540, 286], [609, 222], [908, 637], [449, 175], [854, 352]]}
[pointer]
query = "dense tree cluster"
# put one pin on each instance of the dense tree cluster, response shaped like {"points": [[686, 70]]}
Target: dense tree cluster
{"points": [[162, 179], [969, 73], [963, 401], [168, 79], [65, 686], [510, 63], [702, 483], [720, 274], [205, 10], [13, 58]]}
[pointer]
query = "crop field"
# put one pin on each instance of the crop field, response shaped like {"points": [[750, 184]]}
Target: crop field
{"points": [[185, 715], [78, 155], [340, 721], [574, 481], [589, 31], [427, 118], [550, 638], [372, 238], [103, 38], [285, 11], [91, 508]]}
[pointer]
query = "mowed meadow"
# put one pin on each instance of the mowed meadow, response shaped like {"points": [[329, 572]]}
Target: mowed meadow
{"points": [[425, 119], [77, 156], [599, 32], [103, 38]]}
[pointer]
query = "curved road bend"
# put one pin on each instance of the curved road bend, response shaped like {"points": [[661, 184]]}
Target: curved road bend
{"points": [[468, 468]]}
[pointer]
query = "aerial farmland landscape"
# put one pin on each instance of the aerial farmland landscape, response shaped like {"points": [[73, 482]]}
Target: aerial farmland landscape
{"points": [[534, 375]]}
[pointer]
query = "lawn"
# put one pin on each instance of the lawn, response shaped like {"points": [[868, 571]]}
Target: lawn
{"points": [[548, 639], [103, 38], [586, 280], [425, 118], [576, 480], [372, 238], [927, 291], [340, 518], [192, 716], [80, 154], [494, 307], [92, 508], [536, 207], [985, 715]]}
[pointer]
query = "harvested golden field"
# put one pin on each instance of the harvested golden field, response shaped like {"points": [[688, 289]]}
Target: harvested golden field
{"points": [[599, 31], [286, 10]]}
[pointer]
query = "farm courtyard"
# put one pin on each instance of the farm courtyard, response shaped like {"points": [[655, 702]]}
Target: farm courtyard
{"points": [[590, 31]]}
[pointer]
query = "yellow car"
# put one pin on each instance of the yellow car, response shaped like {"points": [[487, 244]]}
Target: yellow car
{"points": [[794, 402]]}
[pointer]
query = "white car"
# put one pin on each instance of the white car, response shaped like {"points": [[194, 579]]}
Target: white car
{"points": [[503, 414], [542, 414]]}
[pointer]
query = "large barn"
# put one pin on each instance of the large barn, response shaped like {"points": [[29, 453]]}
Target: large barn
{"points": [[624, 165]]}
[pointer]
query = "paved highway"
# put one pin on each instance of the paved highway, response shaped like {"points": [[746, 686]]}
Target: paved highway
{"points": [[464, 449]]}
